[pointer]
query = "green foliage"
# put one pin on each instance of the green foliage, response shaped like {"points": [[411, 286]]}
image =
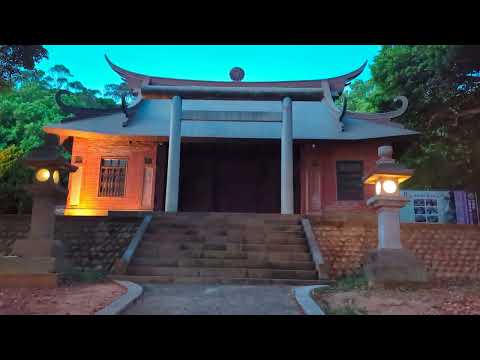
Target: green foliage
{"points": [[15, 58], [87, 276], [351, 282], [115, 91], [13, 177], [25, 108], [359, 96], [442, 84], [346, 310]]}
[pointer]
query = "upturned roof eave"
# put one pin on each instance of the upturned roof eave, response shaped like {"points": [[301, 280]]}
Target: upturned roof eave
{"points": [[136, 80]]}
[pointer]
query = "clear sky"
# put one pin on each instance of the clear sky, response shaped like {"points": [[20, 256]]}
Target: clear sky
{"points": [[210, 62]]}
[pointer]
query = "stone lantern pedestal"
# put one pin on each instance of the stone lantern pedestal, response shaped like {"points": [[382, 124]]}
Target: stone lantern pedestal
{"points": [[38, 259], [390, 264]]}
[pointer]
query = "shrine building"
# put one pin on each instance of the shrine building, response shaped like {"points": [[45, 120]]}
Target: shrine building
{"points": [[225, 146]]}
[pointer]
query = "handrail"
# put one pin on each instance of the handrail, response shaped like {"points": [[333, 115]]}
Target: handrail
{"points": [[120, 266], [314, 248]]}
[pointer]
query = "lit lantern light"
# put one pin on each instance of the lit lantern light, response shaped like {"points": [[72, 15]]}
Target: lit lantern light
{"points": [[42, 175], [56, 177], [390, 186], [387, 174]]}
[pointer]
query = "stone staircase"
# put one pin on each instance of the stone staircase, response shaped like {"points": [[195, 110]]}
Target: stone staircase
{"points": [[224, 248]]}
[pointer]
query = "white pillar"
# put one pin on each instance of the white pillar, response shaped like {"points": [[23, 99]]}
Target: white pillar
{"points": [[174, 141], [287, 157]]}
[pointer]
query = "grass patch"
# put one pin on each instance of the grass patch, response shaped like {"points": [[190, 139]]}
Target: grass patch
{"points": [[87, 276], [346, 310], [351, 283]]}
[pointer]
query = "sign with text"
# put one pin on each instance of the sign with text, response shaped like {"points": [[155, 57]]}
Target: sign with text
{"points": [[439, 207]]}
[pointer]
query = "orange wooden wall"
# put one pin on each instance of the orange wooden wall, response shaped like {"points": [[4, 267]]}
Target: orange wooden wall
{"points": [[92, 151]]}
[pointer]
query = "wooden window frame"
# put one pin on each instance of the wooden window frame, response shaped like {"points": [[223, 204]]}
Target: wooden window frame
{"points": [[338, 192], [99, 194]]}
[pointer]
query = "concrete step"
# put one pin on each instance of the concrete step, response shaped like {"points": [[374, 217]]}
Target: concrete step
{"points": [[158, 247], [221, 263], [216, 229], [223, 272], [217, 254], [238, 239], [216, 280]]}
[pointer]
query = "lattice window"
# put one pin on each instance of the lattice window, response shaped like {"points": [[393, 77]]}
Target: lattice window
{"points": [[349, 180], [112, 177]]}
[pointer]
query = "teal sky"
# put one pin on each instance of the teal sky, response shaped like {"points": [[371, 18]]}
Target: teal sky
{"points": [[210, 62]]}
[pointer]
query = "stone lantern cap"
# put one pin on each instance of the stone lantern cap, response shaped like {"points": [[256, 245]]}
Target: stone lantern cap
{"points": [[48, 156], [386, 166]]}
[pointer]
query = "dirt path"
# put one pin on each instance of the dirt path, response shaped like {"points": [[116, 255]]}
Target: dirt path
{"points": [[75, 299]]}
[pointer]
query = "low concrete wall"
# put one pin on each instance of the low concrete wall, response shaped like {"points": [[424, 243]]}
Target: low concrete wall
{"points": [[447, 251], [91, 243]]}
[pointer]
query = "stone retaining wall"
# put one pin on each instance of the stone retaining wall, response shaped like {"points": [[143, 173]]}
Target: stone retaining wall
{"points": [[12, 227], [91, 243], [448, 251]]}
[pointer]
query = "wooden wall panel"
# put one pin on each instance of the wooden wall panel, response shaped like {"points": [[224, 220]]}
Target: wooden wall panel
{"points": [[92, 151]]}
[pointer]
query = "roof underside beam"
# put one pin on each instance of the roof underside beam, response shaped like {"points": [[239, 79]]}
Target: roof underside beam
{"points": [[231, 93], [246, 116]]}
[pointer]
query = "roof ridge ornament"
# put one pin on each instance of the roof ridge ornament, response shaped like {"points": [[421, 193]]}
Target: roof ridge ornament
{"points": [[237, 74], [383, 118], [386, 115]]}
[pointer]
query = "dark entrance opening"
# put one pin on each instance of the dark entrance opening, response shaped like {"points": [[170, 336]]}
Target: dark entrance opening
{"points": [[234, 176]]}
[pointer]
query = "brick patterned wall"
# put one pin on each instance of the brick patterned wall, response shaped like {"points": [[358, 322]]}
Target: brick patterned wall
{"points": [[91, 243], [448, 251]]}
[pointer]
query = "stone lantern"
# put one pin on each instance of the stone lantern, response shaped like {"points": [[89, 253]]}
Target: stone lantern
{"points": [[390, 262], [40, 254]]}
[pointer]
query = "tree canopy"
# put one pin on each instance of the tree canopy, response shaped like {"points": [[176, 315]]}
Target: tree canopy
{"points": [[442, 84], [25, 108], [16, 58]]}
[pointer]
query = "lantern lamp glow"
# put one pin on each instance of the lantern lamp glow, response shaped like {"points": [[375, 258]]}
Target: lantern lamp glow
{"points": [[42, 175], [56, 177], [387, 174]]}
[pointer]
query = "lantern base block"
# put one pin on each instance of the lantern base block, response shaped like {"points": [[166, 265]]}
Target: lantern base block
{"points": [[18, 272], [394, 267], [38, 281], [37, 251]]}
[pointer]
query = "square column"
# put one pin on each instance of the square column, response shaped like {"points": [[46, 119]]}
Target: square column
{"points": [[287, 158], [173, 169]]}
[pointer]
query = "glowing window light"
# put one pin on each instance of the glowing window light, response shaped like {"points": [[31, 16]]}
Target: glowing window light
{"points": [[378, 187], [42, 175], [389, 186]]}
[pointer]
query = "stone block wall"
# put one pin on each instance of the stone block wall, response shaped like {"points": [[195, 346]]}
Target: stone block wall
{"points": [[91, 243], [12, 227], [447, 251]]}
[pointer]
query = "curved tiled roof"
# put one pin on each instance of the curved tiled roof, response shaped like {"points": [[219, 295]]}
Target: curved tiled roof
{"points": [[136, 80], [311, 121]]}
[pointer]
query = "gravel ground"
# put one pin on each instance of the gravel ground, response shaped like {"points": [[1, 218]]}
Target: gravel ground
{"points": [[197, 299], [431, 299], [72, 299]]}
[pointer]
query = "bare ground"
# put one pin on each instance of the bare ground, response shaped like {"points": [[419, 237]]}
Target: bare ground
{"points": [[431, 299], [68, 299]]}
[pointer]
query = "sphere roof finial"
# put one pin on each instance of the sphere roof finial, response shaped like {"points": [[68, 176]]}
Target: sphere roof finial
{"points": [[237, 74]]}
